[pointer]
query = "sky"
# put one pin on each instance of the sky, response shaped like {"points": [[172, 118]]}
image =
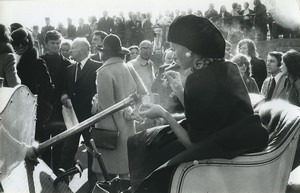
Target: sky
{"points": [[32, 12]]}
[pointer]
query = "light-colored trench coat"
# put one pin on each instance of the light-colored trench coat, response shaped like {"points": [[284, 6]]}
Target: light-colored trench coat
{"points": [[114, 83]]}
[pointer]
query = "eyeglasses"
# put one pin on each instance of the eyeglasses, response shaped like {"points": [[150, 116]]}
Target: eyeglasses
{"points": [[241, 64]]}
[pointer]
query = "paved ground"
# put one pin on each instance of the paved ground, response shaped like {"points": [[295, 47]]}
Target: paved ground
{"points": [[294, 181], [79, 184]]}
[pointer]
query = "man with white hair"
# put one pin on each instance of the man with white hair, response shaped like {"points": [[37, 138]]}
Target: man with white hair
{"points": [[80, 87]]}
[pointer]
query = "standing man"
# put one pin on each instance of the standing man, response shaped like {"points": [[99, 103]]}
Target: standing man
{"points": [[83, 29], [57, 65], [260, 20], [211, 13], [80, 87], [47, 27], [148, 28], [44, 30], [71, 29], [97, 41], [105, 23], [274, 84], [143, 65]]}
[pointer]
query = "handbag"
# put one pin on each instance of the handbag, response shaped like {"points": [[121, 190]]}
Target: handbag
{"points": [[105, 139]]}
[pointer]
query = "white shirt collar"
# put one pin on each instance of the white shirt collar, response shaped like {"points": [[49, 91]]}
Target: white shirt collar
{"points": [[83, 62], [277, 77]]}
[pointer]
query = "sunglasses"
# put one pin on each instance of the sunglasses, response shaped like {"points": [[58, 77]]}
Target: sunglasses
{"points": [[17, 43]]}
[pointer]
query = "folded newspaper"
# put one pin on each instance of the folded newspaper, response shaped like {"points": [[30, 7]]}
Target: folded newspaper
{"points": [[69, 115]]}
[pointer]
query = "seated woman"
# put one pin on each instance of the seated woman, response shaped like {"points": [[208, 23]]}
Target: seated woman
{"points": [[220, 122], [244, 68]]}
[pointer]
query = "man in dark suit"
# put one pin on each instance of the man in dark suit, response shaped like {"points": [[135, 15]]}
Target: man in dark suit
{"points": [[83, 29], [96, 42], [105, 23], [80, 87], [71, 29]]}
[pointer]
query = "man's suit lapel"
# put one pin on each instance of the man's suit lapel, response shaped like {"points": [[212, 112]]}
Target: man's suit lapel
{"points": [[279, 86]]}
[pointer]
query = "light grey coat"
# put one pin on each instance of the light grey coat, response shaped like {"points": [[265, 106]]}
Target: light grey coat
{"points": [[278, 88], [114, 83]]}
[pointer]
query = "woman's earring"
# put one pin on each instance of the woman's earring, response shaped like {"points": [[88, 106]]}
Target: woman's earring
{"points": [[188, 54]]}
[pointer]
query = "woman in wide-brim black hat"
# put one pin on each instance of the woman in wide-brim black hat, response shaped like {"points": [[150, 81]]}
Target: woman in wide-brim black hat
{"points": [[220, 122], [114, 83]]}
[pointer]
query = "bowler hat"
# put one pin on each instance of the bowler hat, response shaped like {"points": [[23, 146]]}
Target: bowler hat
{"points": [[112, 44], [199, 35]]}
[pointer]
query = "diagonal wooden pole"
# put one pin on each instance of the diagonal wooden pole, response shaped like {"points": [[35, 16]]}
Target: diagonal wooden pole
{"points": [[34, 151]]}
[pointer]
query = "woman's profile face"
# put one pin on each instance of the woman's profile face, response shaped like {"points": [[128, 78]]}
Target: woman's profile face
{"points": [[244, 49], [169, 57], [283, 68], [133, 53], [180, 51]]}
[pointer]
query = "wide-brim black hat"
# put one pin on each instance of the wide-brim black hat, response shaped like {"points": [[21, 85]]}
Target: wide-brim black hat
{"points": [[199, 35], [112, 44]]}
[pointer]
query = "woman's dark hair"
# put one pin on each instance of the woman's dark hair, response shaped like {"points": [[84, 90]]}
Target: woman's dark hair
{"points": [[241, 59], [22, 36], [4, 34], [15, 26], [52, 35], [277, 55], [100, 33], [292, 62]]}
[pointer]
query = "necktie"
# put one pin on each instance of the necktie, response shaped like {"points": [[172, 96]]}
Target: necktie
{"points": [[271, 90], [79, 67], [78, 71]]}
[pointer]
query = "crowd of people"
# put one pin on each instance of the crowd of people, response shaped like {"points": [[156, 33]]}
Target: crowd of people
{"points": [[235, 23], [197, 75]]}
